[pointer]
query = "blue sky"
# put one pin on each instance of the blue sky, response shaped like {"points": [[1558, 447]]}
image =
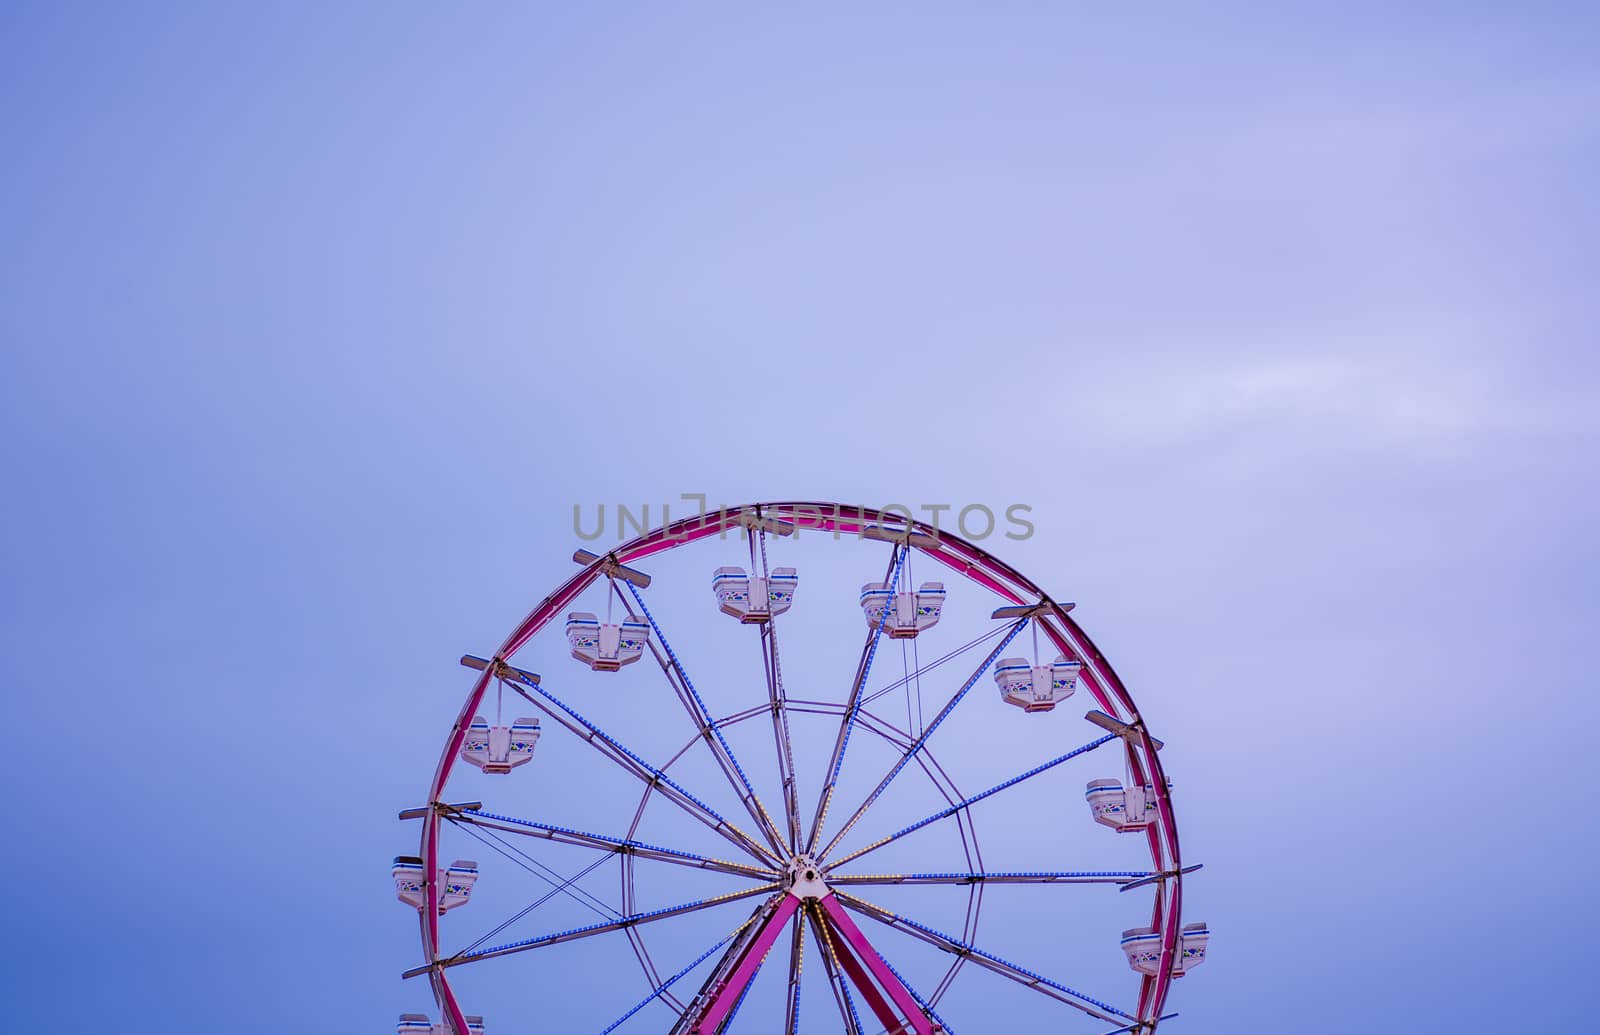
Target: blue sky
{"points": [[319, 323]]}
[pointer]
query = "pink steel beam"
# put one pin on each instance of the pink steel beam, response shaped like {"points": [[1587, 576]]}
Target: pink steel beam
{"points": [[756, 951], [916, 1022]]}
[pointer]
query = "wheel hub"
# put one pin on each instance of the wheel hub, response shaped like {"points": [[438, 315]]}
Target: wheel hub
{"points": [[806, 878]]}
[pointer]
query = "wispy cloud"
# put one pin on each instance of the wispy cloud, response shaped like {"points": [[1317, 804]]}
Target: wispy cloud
{"points": [[1339, 397]]}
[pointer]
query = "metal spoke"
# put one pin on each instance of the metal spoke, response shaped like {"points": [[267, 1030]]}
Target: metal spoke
{"points": [[577, 933], [691, 1012], [905, 759], [536, 903], [540, 870], [1029, 979], [782, 741], [852, 706], [585, 839], [709, 728], [738, 1003], [797, 951], [930, 666], [635, 939], [629, 760], [947, 790], [869, 722], [841, 991], [966, 802], [661, 989], [1018, 877], [723, 992], [1138, 1026]]}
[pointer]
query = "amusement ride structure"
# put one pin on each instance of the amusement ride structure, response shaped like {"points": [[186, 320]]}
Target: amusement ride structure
{"points": [[803, 869]]}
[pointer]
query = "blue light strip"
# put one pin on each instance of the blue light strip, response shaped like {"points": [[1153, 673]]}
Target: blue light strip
{"points": [[653, 996], [872, 652], [850, 1001], [613, 925], [727, 1023], [800, 948], [705, 713], [554, 878], [923, 740], [996, 789], [652, 770], [830, 964], [930, 1011], [857, 692], [975, 951], [615, 841]]}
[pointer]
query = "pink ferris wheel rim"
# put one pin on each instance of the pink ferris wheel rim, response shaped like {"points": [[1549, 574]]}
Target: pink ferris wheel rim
{"points": [[968, 560]]}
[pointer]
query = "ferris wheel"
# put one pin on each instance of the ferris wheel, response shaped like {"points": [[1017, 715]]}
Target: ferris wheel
{"points": [[758, 792]]}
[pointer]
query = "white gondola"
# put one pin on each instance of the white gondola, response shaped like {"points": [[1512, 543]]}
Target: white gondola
{"points": [[606, 647], [1143, 948], [418, 1024], [1125, 810], [903, 615], [455, 883], [1036, 688], [409, 880], [754, 600], [499, 749]]}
